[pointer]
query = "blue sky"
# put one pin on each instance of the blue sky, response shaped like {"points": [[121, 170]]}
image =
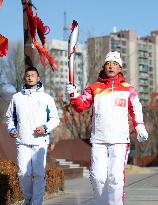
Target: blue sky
{"points": [[95, 17]]}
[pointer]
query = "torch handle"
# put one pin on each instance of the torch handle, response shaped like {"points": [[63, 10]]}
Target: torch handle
{"points": [[71, 78], [71, 51]]}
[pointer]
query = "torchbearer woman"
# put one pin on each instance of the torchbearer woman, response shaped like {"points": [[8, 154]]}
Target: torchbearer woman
{"points": [[112, 99]]}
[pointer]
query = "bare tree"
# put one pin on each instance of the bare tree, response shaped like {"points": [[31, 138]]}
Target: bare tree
{"points": [[4, 102], [73, 125], [146, 153], [12, 67], [151, 121], [78, 123]]}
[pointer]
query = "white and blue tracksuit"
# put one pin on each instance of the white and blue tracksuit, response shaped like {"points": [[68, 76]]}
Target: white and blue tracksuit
{"points": [[29, 109]]}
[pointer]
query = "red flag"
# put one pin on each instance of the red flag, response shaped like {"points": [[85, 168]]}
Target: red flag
{"points": [[1, 1], [3, 46]]}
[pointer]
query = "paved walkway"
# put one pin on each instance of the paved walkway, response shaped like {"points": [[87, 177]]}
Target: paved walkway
{"points": [[141, 189]]}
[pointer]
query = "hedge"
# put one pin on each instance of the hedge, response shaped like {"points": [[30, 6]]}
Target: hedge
{"points": [[10, 192]]}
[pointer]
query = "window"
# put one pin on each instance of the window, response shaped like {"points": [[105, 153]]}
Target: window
{"points": [[124, 43], [124, 50]]}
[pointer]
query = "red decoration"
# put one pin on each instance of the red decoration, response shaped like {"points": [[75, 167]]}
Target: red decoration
{"points": [[3, 46], [73, 51], [51, 60], [42, 30], [74, 25], [37, 45], [1, 2], [43, 54], [35, 24], [32, 24]]}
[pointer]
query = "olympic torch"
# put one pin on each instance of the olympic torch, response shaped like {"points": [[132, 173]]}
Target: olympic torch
{"points": [[71, 51]]}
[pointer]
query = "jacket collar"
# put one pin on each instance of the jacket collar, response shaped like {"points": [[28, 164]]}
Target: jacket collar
{"points": [[117, 80], [27, 91]]}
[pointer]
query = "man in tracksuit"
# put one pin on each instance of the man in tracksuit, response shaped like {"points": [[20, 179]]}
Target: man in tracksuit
{"points": [[32, 115], [112, 99]]}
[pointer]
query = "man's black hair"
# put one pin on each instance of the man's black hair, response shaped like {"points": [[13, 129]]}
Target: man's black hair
{"points": [[31, 68]]}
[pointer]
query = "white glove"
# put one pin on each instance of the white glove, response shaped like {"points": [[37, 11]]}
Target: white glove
{"points": [[142, 134], [71, 89]]}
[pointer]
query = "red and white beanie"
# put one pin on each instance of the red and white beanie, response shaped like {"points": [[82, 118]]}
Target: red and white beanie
{"points": [[113, 56]]}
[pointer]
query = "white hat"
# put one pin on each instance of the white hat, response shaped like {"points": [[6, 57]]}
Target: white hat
{"points": [[113, 56]]}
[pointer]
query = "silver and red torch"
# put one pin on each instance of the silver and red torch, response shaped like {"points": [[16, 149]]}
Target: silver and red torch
{"points": [[71, 50]]}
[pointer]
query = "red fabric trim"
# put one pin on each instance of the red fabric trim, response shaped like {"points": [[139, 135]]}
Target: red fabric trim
{"points": [[130, 106], [131, 112]]}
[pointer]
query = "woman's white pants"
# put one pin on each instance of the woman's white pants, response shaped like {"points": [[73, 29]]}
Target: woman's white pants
{"points": [[107, 173]]}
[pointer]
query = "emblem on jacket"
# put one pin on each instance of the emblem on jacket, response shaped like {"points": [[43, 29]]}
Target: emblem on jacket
{"points": [[120, 102]]}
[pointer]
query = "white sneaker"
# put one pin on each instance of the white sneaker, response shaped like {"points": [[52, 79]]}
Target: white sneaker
{"points": [[27, 202]]}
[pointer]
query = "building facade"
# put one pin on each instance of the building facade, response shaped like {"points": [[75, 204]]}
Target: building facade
{"points": [[55, 82], [139, 55]]}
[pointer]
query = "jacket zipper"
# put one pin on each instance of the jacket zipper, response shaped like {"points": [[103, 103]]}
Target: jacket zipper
{"points": [[112, 85], [112, 104]]}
